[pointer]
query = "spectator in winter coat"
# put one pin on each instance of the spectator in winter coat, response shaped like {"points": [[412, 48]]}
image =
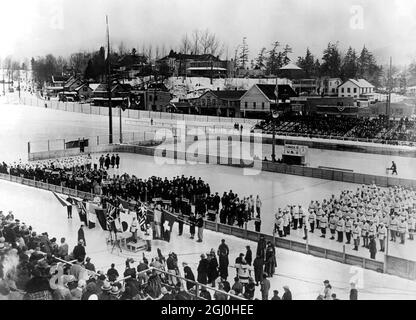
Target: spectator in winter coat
{"points": [[287, 295], [203, 270], [353, 292], [373, 248], [275, 295], [188, 274], [112, 273], [248, 257], [258, 269]]}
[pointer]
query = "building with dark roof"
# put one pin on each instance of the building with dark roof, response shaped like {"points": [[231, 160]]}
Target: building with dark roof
{"points": [[119, 92], [203, 65], [259, 100], [224, 103]]}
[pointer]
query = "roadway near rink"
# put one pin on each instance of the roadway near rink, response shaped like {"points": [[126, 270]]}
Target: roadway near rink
{"points": [[302, 273]]}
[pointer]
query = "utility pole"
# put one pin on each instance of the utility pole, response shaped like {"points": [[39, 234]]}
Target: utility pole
{"points": [[121, 125], [390, 88], [110, 112]]}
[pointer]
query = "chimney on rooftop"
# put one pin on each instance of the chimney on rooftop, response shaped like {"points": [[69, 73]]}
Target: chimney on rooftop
{"points": [[218, 88]]}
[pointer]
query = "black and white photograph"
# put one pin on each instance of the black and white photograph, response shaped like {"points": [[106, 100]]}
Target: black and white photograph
{"points": [[207, 150]]}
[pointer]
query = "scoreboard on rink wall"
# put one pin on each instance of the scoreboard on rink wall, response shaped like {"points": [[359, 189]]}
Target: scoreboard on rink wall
{"points": [[294, 154]]}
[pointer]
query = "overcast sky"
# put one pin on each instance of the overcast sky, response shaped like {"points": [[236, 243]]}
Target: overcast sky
{"points": [[37, 27]]}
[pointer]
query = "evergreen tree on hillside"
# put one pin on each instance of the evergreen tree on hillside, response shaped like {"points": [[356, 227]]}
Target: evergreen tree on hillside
{"points": [[349, 68], [368, 68], [331, 65], [307, 64], [261, 59], [274, 60]]}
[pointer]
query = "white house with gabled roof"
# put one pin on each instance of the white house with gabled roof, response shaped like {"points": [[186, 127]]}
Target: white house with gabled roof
{"points": [[356, 88]]}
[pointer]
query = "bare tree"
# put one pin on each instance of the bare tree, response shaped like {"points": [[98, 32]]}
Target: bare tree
{"points": [[185, 44], [157, 52], [121, 48], [204, 41], [150, 52], [163, 50], [195, 41]]}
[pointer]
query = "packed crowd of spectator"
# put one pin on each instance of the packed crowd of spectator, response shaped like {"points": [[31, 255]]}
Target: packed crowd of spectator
{"points": [[378, 129], [35, 267], [181, 192], [369, 215]]}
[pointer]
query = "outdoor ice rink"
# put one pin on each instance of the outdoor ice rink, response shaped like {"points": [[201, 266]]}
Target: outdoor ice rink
{"points": [[22, 124], [303, 274]]}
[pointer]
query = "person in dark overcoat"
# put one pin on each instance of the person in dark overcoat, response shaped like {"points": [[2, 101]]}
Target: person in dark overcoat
{"points": [[258, 269], [203, 270], [261, 247], [212, 269]]}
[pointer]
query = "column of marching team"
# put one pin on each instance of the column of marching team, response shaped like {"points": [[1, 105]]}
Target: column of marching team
{"points": [[357, 220]]}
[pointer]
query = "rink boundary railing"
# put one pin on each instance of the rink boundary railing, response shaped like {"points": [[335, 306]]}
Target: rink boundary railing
{"points": [[392, 265], [334, 143], [304, 171]]}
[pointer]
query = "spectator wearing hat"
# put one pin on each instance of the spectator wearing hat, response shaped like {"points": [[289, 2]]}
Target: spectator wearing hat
{"points": [[275, 295], [115, 293], [287, 295], [105, 291]]}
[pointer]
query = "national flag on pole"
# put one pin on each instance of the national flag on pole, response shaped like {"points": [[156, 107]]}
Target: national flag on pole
{"points": [[142, 217], [82, 211], [168, 220], [63, 200], [112, 215]]}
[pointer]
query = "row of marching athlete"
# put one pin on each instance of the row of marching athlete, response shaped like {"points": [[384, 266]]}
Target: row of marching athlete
{"points": [[363, 223]]}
